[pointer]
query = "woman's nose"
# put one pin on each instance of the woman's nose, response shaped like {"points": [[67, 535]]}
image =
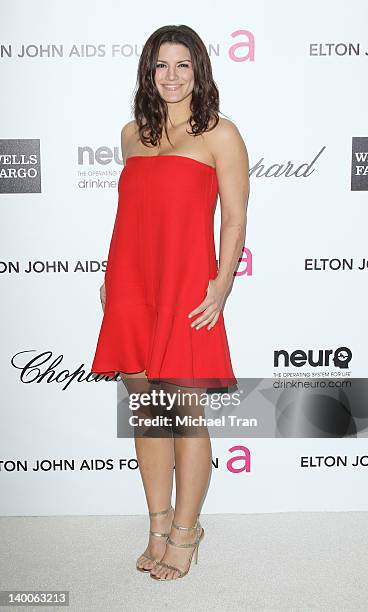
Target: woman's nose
{"points": [[172, 73]]}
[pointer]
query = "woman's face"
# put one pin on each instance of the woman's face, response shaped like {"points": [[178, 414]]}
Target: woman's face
{"points": [[174, 75]]}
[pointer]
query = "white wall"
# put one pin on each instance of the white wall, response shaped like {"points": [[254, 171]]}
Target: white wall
{"points": [[290, 104]]}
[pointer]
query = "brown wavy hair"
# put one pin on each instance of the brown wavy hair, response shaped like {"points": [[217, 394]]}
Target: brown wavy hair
{"points": [[150, 110]]}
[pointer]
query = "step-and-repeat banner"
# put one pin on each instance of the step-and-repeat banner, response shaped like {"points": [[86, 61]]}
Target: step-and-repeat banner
{"points": [[293, 80]]}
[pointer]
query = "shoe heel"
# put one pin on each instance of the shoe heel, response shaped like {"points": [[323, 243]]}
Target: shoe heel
{"points": [[196, 555], [197, 549], [194, 545]]}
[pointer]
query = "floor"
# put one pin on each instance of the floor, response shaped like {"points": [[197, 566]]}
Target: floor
{"points": [[284, 562]]}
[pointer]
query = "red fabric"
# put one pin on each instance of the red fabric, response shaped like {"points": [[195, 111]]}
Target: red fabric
{"points": [[161, 257]]}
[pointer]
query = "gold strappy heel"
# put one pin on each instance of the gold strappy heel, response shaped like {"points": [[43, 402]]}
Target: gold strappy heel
{"points": [[157, 535], [195, 545]]}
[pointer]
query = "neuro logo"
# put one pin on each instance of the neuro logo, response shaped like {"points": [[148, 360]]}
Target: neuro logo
{"points": [[359, 164], [101, 156], [20, 166], [340, 358]]}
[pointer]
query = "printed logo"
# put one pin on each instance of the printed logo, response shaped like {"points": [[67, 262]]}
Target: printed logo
{"points": [[340, 358], [98, 168], [20, 166], [359, 164]]}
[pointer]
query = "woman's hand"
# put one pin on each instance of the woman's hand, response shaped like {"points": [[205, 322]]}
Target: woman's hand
{"points": [[211, 305], [103, 296]]}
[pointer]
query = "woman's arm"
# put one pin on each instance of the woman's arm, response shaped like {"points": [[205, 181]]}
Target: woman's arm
{"points": [[232, 168]]}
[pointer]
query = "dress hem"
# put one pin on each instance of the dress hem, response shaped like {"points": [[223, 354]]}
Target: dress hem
{"points": [[213, 382]]}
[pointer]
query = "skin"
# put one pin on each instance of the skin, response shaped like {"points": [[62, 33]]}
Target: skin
{"points": [[224, 149]]}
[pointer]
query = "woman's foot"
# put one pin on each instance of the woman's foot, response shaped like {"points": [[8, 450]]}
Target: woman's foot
{"points": [[177, 556], [156, 544]]}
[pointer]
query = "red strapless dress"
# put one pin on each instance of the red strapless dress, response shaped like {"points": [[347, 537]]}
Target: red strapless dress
{"points": [[161, 257]]}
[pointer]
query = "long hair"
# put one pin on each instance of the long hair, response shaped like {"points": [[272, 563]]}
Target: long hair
{"points": [[150, 110]]}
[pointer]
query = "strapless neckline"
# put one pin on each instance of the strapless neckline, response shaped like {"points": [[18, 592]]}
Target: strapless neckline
{"points": [[191, 159]]}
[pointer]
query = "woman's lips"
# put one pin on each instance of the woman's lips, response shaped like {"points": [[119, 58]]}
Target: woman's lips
{"points": [[171, 87]]}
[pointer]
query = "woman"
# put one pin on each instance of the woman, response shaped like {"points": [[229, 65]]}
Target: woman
{"points": [[163, 293]]}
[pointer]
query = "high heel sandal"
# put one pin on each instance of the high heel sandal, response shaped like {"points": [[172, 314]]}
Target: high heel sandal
{"points": [[195, 545], [157, 535]]}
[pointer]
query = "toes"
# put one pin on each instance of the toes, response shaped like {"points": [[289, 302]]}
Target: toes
{"points": [[144, 563], [163, 573], [167, 574], [172, 575], [147, 565]]}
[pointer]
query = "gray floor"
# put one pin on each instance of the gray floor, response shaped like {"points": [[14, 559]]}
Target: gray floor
{"points": [[285, 562]]}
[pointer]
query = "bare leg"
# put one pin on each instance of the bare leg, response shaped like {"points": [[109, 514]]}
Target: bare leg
{"points": [[156, 463], [193, 457]]}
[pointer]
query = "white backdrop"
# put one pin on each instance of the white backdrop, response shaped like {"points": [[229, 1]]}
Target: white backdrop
{"points": [[292, 78]]}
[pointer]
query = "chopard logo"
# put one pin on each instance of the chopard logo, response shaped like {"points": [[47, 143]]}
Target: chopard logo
{"points": [[285, 169], [41, 368]]}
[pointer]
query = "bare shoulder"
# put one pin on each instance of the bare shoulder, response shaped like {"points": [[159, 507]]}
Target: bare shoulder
{"points": [[225, 126], [128, 132], [224, 136], [226, 143]]}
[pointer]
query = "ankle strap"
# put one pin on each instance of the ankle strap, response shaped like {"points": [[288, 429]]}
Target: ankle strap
{"points": [[179, 527], [157, 534], [191, 545], [161, 512], [199, 530]]}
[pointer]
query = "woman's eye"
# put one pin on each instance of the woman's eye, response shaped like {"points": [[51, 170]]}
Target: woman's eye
{"points": [[160, 65]]}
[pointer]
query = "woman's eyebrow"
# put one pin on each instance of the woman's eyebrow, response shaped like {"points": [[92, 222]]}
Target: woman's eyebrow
{"points": [[178, 62]]}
